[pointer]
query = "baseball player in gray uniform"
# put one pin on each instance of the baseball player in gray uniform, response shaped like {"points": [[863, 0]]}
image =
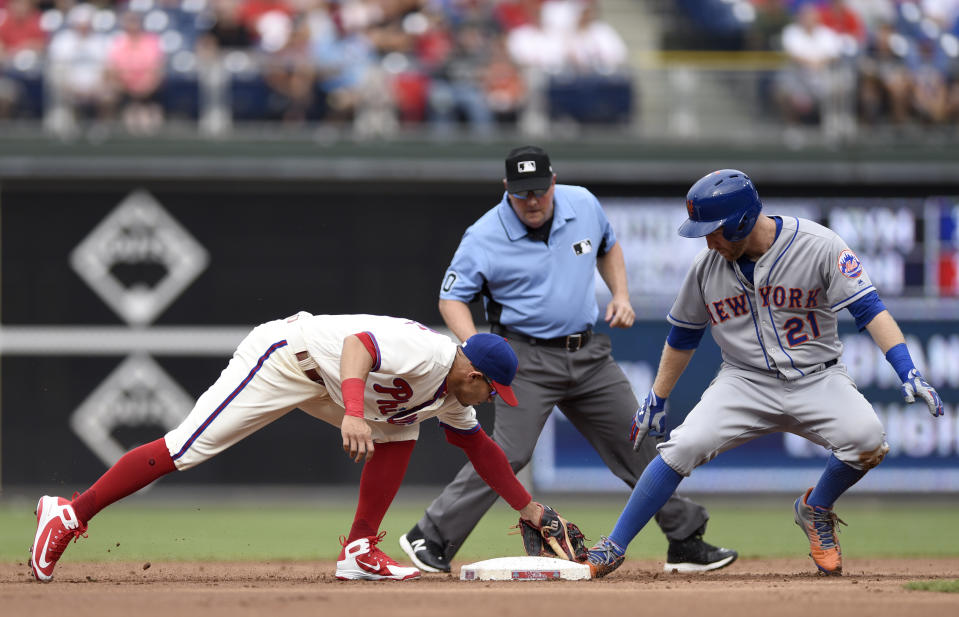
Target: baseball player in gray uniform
{"points": [[770, 289]]}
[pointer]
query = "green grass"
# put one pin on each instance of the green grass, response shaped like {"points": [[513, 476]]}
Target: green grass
{"points": [[944, 586], [298, 531]]}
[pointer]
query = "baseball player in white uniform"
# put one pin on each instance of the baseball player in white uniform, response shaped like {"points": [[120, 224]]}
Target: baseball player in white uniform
{"points": [[377, 378], [770, 289]]}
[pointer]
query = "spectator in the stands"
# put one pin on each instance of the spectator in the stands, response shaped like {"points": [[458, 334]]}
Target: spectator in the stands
{"points": [[930, 91], [885, 82], [394, 37], [252, 12], [227, 30], [807, 81], [456, 80], [291, 76], [135, 67], [78, 80], [20, 28], [19, 31], [349, 75], [594, 46], [841, 18], [559, 18], [503, 84], [532, 47], [511, 14]]}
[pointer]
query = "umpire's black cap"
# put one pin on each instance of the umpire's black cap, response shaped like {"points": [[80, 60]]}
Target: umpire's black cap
{"points": [[528, 169]]}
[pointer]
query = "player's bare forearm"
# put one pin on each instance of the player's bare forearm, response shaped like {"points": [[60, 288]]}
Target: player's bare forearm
{"points": [[458, 318], [355, 360], [885, 331], [355, 365], [532, 512], [612, 267], [671, 366]]}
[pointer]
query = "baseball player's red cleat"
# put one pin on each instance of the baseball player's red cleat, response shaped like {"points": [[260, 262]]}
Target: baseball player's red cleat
{"points": [[57, 524], [820, 526], [363, 560]]}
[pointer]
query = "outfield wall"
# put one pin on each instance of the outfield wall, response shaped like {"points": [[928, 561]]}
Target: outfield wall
{"points": [[122, 299]]}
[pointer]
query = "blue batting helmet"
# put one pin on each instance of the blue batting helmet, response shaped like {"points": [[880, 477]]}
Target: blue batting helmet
{"points": [[724, 198]]}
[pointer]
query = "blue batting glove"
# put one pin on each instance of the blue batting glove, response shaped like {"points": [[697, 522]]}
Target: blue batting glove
{"points": [[915, 385], [650, 419]]}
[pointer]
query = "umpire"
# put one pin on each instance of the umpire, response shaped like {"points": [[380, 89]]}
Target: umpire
{"points": [[533, 259]]}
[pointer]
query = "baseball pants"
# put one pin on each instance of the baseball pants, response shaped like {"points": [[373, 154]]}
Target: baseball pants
{"points": [[739, 405]]}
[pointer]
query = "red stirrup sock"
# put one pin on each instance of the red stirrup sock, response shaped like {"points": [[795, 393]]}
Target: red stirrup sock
{"points": [[381, 479], [135, 469]]}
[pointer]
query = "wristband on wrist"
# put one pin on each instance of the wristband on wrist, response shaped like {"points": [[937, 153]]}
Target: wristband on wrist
{"points": [[353, 389], [898, 356]]}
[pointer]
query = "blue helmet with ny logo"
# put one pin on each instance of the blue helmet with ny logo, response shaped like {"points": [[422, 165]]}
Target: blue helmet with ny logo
{"points": [[725, 198]]}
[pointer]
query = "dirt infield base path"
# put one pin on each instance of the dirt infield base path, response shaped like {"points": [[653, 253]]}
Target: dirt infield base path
{"points": [[277, 589]]}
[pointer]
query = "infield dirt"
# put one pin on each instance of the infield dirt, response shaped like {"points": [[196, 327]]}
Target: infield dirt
{"points": [[283, 589]]}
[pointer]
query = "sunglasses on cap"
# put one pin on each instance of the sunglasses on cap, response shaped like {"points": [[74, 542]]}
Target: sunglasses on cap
{"points": [[526, 194], [492, 390]]}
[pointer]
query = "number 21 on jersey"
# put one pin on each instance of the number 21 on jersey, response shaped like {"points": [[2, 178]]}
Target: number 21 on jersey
{"points": [[796, 329]]}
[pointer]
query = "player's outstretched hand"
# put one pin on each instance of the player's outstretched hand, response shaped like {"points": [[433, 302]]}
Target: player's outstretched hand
{"points": [[650, 419], [916, 385], [357, 438]]}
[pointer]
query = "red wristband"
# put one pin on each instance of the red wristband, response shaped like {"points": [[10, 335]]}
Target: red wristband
{"points": [[353, 389]]}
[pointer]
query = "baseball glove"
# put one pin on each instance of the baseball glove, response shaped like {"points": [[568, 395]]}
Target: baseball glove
{"points": [[552, 536]]}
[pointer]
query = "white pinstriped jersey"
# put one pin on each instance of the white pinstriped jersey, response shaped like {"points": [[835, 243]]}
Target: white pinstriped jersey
{"points": [[407, 383], [787, 321]]}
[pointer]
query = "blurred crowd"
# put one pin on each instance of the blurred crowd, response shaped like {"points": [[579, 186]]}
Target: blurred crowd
{"points": [[377, 66], [869, 62], [373, 66]]}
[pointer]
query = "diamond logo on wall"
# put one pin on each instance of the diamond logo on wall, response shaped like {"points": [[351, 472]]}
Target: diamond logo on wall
{"points": [[137, 394], [139, 259]]}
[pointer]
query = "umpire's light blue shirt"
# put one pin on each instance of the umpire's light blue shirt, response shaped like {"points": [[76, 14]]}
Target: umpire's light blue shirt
{"points": [[545, 291]]}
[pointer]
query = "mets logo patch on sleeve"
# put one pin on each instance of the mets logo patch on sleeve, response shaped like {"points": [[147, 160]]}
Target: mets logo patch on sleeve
{"points": [[849, 264]]}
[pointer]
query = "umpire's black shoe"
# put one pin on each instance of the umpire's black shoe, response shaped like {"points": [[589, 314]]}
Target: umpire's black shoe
{"points": [[695, 555], [426, 554]]}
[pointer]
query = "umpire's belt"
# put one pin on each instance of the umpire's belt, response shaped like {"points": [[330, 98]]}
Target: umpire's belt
{"points": [[294, 339], [572, 342]]}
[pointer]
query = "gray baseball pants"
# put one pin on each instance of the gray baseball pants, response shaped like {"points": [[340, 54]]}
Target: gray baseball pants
{"points": [[594, 394]]}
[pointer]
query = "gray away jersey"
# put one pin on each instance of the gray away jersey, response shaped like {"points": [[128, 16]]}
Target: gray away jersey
{"points": [[787, 322]]}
